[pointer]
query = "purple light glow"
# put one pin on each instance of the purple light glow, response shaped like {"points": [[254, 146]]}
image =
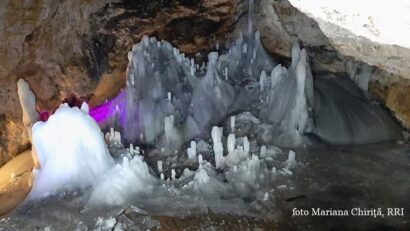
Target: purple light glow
{"points": [[104, 112]]}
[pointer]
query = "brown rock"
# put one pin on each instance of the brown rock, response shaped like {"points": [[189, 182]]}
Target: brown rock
{"points": [[14, 139], [396, 96]]}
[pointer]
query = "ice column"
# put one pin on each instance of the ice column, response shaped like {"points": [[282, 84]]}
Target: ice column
{"points": [[231, 143], [30, 115], [192, 151], [246, 144], [159, 164], [232, 124], [216, 134], [291, 161]]}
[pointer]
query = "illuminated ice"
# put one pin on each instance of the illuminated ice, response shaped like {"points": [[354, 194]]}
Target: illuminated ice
{"points": [[120, 184], [71, 150]]}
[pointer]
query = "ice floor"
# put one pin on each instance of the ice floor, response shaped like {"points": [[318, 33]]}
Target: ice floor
{"points": [[332, 177]]}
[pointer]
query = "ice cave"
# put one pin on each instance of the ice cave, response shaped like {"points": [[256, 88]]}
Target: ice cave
{"points": [[204, 115]]}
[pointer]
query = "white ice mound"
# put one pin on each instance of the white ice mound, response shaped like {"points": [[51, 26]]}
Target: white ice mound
{"points": [[71, 151], [122, 183]]}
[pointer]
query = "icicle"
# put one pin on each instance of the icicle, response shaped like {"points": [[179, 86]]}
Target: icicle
{"points": [[162, 176], [200, 159]]}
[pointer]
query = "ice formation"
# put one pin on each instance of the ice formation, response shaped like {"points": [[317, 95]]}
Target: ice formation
{"points": [[296, 106], [30, 115], [291, 161], [71, 151], [120, 184], [28, 103], [217, 145], [192, 151]]}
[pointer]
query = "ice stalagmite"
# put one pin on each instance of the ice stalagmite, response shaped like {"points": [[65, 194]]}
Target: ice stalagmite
{"points": [[30, 115], [216, 134], [288, 104], [71, 151], [192, 151], [28, 103], [231, 143], [294, 105]]}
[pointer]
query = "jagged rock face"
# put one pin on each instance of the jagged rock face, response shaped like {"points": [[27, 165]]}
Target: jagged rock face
{"points": [[43, 42], [192, 26], [367, 33], [395, 95], [13, 139]]}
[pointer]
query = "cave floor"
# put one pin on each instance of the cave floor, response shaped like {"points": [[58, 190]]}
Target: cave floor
{"points": [[372, 177], [344, 178]]}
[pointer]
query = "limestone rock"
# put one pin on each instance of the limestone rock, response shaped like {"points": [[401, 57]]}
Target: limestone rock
{"points": [[365, 30], [14, 139]]}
